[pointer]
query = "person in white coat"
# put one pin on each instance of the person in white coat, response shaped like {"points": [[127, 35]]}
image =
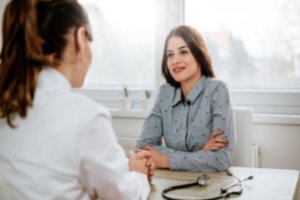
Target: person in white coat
{"points": [[56, 144]]}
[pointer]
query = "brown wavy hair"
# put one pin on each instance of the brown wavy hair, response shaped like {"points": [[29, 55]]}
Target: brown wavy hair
{"points": [[33, 36], [196, 44]]}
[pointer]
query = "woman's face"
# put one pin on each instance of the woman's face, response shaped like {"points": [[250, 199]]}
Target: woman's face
{"points": [[181, 63]]}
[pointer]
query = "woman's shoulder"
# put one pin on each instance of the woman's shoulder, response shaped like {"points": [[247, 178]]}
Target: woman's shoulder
{"points": [[214, 83], [166, 89]]}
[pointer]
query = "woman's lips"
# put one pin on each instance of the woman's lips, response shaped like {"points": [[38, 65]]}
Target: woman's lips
{"points": [[178, 69]]}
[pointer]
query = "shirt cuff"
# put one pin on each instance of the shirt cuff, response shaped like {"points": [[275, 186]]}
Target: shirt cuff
{"points": [[175, 161], [144, 185]]}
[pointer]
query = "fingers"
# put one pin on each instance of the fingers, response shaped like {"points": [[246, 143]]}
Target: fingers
{"points": [[138, 165], [144, 158], [221, 140], [137, 150], [149, 162], [214, 148], [215, 144], [152, 166], [216, 133], [219, 143], [148, 148], [132, 155], [151, 169], [143, 154], [140, 153]]}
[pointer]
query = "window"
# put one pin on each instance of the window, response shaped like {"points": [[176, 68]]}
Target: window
{"points": [[253, 43], [124, 43], [255, 48]]}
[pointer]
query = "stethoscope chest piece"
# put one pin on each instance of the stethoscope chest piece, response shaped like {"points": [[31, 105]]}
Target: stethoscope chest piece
{"points": [[203, 180]]}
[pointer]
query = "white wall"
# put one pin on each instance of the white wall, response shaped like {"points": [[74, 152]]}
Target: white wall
{"points": [[279, 139]]}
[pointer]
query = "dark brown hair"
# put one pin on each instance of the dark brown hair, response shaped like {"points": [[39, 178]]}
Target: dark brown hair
{"points": [[33, 30], [197, 46]]}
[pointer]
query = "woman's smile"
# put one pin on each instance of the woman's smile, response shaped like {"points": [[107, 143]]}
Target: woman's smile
{"points": [[178, 69]]}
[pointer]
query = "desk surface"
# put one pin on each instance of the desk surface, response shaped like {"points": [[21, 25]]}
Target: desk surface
{"points": [[267, 184]]}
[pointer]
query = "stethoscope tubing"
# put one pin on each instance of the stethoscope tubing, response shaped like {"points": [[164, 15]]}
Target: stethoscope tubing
{"points": [[224, 190], [222, 196]]}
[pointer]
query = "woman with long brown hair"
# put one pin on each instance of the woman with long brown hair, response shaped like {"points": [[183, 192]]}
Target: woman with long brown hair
{"points": [[192, 112], [55, 144]]}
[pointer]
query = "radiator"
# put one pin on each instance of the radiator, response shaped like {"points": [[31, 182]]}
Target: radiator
{"points": [[255, 155]]}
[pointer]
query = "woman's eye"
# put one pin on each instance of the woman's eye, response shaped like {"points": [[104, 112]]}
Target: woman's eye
{"points": [[169, 55], [183, 52]]}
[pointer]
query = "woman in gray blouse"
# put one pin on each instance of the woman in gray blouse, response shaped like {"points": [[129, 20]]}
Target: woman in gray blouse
{"points": [[192, 112]]}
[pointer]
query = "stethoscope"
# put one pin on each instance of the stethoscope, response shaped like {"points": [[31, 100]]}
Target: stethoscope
{"points": [[203, 180]]}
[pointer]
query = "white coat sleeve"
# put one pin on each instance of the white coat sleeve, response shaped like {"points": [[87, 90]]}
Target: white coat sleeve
{"points": [[104, 168]]}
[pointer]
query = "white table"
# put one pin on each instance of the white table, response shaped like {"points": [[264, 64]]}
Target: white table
{"points": [[273, 184]]}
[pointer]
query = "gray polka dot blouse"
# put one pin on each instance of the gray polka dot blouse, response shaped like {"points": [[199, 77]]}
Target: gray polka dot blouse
{"points": [[186, 127]]}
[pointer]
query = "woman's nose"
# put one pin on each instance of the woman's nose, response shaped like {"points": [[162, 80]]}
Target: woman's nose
{"points": [[176, 59]]}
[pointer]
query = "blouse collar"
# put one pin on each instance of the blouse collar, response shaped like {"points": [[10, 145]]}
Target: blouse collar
{"points": [[194, 93]]}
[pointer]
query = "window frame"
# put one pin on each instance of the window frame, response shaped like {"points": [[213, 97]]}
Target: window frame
{"points": [[285, 102]]}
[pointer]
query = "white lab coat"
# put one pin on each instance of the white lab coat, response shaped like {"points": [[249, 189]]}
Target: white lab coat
{"points": [[65, 149]]}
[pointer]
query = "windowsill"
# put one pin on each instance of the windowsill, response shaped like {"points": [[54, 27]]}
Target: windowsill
{"points": [[276, 119], [257, 118], [263, 102], [134, 113]]}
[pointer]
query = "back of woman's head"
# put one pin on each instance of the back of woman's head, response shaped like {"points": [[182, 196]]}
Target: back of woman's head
{"points": [[33, 36], [197, 46]]}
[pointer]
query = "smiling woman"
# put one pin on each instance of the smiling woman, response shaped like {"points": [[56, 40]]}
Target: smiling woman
{"points": [[182, 65], [192, 112]]}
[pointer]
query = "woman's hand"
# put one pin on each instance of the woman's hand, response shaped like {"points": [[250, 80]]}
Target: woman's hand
{"points": [[160, 160], [140, 161], [151, 168], [215, 142]]}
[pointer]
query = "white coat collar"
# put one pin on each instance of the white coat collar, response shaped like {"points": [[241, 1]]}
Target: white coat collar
{"points": [[51, 79]]}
